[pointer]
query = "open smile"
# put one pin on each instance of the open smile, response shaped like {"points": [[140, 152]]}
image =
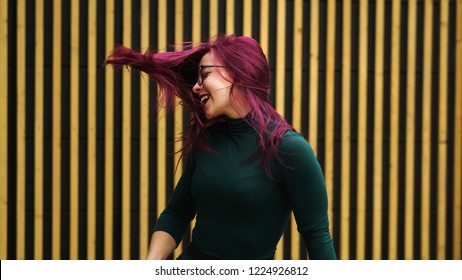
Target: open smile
{"points": [[204, 98]]}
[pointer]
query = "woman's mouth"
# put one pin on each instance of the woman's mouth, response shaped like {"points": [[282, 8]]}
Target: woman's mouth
{"points": [[204, 98]]}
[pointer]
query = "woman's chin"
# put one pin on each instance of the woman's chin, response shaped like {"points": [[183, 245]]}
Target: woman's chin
{"points": [[210, 115]]}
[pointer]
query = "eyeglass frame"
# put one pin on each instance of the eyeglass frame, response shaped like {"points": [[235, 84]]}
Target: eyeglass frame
{"points": [[200, 72]]}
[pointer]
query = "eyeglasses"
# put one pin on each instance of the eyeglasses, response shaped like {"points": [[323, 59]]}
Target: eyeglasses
{"points": [[201, 75]]}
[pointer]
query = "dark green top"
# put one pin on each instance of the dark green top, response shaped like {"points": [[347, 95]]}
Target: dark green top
{"points": [[241, 212]]}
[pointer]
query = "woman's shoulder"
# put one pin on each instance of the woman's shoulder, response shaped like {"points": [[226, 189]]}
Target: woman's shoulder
{"points": [[296, 153], [292, 134], [293, 142]]}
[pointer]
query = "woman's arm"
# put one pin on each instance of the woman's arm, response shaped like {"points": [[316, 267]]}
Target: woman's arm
{"points": [[173, 221], [161, 246], [303, 181]]}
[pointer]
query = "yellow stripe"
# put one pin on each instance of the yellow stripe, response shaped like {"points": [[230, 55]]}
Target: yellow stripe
{"points": [[457, 231], [38, 133], [56, 162], [178, 127], [378, 131], [213, 15], [394, 132], [74, 131], [330, 103], [91, 166], [196, 21], [346, 134], [410, 132], [161, 118], [230, 16], [21, 131], [294, 239], [362, 129], [297, 104], [297, 79], [264, 26], [4, 130], [279, 255], [442, 133], [196, 38], [314, 66], [426, 131], [144, 137], [126, 134], [280, 81], [247, 24], [280, 56], [108, 137]]}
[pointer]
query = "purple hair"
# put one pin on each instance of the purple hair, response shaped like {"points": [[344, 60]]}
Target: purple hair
{"points": [[176, 74]]}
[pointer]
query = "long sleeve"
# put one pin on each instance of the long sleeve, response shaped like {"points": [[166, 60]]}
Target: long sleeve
{"points": [[304, 183], [180, 209]]}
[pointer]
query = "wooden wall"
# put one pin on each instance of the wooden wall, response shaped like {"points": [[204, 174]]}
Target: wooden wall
{"points": [[375, 86]]}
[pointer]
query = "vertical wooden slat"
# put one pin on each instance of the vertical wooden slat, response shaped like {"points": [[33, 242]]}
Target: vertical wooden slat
{"points": [[56, 162], [21, 130], [196, 21], [394, 131], [229, 17], [378, 131], [457, 220], [213, 16], [161, 116], [410, 132], [314, 66], [442, 130], [38, 132], [426, 130], [91, 152], [346, 134], [297, 65], [280, 56], [74, 133], [4, 129], [280, 81], [196, 38], [178, 114], [362, 131], [297, 105], [144, 137], [329, 114], [264, 26], [126, 134], [247, 19], [108, 137]]}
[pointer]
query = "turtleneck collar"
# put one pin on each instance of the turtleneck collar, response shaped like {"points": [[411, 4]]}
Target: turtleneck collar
{"points": [[240, 125]]}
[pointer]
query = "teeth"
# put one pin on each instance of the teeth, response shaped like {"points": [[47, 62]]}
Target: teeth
{"points": [[204, 98]]}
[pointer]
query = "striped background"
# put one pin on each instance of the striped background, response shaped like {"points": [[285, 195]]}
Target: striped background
{"points": [[376, 87]]}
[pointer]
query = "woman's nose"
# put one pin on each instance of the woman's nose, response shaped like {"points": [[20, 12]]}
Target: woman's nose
{"points": [[196, 88]]}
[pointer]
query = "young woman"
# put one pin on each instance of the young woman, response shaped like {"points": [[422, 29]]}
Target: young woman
{"points": [[246, 168]]}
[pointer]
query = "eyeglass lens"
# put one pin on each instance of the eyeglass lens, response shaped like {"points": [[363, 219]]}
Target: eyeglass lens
{"points": [[200, 73]]}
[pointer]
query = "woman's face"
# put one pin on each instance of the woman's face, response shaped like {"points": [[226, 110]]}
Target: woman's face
{"points": [[213, 88]]}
